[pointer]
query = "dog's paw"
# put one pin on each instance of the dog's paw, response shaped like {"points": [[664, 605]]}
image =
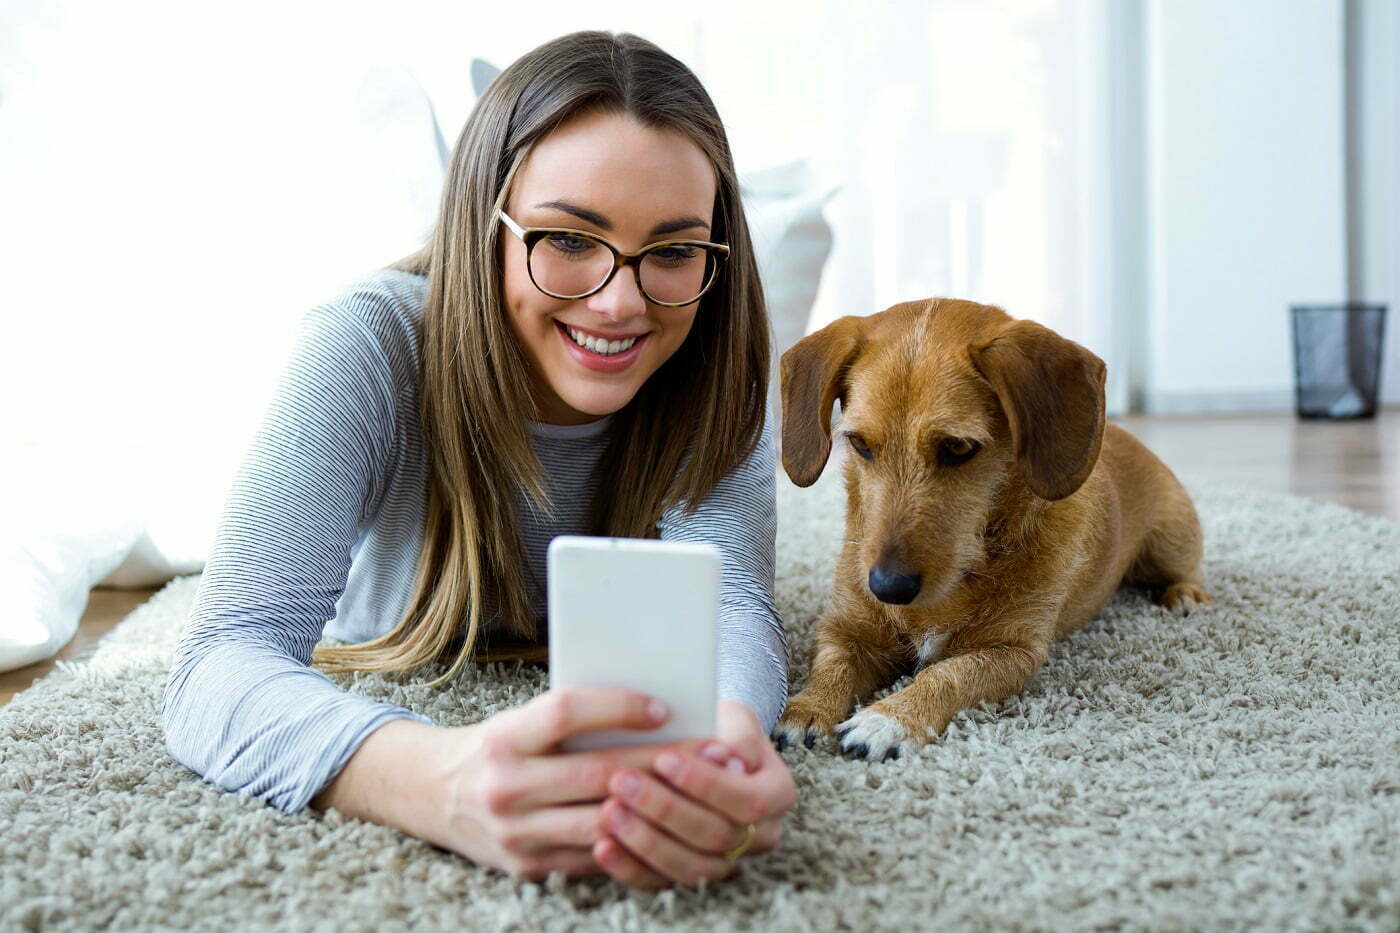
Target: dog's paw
{"points": [[874, 736], [805, 719], [1180, 598], [791, 733]]}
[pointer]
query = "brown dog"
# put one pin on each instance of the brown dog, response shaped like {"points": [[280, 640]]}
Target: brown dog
{"points": [[990, 510]]}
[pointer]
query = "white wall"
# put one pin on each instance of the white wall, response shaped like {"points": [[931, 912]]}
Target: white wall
{"points": [[1246, 202], [179, 182], [1373, 171]]}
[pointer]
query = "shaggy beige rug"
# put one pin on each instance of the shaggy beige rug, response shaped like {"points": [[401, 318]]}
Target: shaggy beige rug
{"points": [[1237, 768]]}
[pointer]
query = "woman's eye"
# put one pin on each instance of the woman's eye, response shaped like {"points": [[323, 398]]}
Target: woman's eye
{"points": [[859, 446], [674, 254], [568, 243], [955, 450]]}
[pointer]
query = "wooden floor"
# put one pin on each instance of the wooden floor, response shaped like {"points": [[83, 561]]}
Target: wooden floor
{"points": [[1353, 463]]}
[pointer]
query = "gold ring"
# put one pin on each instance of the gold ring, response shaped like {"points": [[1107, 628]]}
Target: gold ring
{"points": [[749, 832]]}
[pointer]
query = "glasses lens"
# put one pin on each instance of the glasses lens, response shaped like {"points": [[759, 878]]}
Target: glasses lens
{"points": [[678, 273], [569, 265]]}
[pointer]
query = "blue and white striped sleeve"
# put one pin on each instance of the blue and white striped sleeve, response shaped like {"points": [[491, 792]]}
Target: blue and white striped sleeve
{"points": [[740, 517], [242, 706]]}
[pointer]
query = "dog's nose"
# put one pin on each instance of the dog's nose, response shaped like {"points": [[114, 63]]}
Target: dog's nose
{"points": [[900, 588]]}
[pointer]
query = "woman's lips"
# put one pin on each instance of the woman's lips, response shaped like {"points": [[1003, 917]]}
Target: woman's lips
{"points": [[597, 363]]}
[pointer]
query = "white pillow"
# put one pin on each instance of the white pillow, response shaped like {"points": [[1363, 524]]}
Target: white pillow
{"points": [[398, 140], [68, 521], [792, 241], [71, 520], [182, 499]]}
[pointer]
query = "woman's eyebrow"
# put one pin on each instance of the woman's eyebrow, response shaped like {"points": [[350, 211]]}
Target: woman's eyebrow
{"points": [[597, 219]]}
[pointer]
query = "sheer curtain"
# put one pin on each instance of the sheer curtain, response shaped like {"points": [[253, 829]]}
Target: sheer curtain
{"points": [[973, 142], [982, 149], [181, 181]]}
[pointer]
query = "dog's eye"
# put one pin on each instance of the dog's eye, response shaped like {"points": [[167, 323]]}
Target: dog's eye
{"points": [[859, 446], [955, 450]]}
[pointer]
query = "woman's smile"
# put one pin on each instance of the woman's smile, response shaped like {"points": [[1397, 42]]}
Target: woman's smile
{"points": [[600, 352]]}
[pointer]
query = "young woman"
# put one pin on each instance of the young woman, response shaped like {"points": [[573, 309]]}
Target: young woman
{"points": [[581, 348]]}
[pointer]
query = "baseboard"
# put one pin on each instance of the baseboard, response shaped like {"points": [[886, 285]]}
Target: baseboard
{"points": [[1158, 402]]}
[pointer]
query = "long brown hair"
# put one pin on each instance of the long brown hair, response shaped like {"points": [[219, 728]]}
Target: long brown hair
{"points": [[694, 420]]}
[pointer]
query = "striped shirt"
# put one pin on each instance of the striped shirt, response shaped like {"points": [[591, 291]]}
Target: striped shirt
{"points": [[320, 535]]}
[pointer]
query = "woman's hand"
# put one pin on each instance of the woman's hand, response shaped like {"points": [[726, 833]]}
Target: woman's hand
{"points": [[516, 803], [673, 824]]}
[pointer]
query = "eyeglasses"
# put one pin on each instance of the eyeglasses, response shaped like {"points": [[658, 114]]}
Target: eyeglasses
{"points": [[575, 263]]}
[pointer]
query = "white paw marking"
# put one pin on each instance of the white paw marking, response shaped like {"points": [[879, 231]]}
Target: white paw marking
{"points": [[931, 648], [879, 734]]}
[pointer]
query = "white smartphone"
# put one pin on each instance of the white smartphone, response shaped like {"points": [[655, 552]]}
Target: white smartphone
{"points": [[638, 613]]}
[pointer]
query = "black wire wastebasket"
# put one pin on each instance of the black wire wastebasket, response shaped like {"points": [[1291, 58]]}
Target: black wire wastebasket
{"points": [[1337, 359]]}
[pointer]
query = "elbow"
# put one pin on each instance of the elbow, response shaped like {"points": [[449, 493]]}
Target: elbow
{"points": [[172, 724], [178, 722]]}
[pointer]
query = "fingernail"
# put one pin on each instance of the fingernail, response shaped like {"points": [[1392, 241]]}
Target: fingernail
{"points": [[668, 763], [714, 753], [657, 710], [629, 786], [620, 817], [736, 764]]}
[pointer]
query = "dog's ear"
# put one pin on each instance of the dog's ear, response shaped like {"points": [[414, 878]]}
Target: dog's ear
{"points": [[813, 378], [1052, 390]]}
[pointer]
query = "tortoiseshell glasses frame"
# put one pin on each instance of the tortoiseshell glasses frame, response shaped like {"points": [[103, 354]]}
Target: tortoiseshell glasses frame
{"points": [[532, 235]]}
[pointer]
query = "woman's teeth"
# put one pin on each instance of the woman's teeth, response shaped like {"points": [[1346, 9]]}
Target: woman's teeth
{"points": [[601, 347]]}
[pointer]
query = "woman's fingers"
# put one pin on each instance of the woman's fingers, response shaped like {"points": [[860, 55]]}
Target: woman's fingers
{"points": [[767, 835], [698, 827], [574, 777], [557, 714], [549, 828], [740, 797], [658, 851], [622, 865], [574, 863]]}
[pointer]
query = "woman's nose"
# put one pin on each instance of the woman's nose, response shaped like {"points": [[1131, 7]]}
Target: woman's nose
{"points": [[621, 298]]}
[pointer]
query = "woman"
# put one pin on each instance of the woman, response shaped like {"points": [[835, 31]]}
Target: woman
{"points": [[441, 421]]}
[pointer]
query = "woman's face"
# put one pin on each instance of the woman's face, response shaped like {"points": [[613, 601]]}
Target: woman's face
{"points": [[627, 179]]}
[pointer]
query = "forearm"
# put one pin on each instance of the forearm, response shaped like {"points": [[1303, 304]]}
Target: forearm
{"points": [[753, 663], [250, 718], [393, 779]]}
